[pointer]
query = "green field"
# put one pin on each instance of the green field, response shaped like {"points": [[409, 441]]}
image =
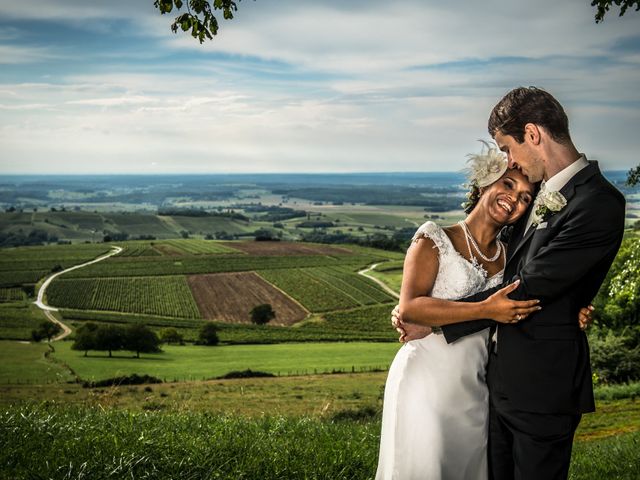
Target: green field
{"points": [[191, 362], [390, 274], [26, 363], [359, 324]]}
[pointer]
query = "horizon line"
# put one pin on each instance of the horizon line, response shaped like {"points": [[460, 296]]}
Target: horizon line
{"points": [[391, 172]]}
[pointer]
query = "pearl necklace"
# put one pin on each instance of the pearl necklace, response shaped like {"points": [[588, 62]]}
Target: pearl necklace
{"points": [[469, 237]]}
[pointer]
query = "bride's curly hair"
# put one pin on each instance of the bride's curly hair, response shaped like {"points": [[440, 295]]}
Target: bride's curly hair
{"points": [[473, 196]]}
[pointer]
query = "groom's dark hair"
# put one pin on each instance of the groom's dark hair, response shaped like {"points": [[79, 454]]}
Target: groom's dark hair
{"points": [[524, 105]]}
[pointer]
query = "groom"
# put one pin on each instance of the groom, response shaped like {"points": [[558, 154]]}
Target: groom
{"points": [[539, 375]]}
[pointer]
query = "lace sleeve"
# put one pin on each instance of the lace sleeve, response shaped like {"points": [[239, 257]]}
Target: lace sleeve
{"points": [[433, 232]]}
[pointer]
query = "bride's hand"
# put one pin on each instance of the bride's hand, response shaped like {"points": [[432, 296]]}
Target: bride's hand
{"points": [[407, 331], [584, 317], [502, 309]]}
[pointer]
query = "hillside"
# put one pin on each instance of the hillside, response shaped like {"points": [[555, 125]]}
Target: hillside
{"points": [[314, 289]]}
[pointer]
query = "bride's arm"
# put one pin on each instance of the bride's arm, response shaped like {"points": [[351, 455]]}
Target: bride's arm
{"points": [[417, 306]]}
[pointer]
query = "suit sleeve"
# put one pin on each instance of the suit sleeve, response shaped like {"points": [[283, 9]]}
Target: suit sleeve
{"points": [[591, 235]]}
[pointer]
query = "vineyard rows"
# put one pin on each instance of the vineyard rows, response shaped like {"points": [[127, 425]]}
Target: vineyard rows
{"points": [[199, 247], [325, 289], [376, 318], [113, 317], [25, 265], [313, 294], [350, 282], [54, 253], [138, 249], [11, 294], [142, 266], [10, 279], [167, 295]]}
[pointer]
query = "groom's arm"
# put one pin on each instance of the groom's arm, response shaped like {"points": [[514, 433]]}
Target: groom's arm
{"points": [[458, 330], [589, 237]]}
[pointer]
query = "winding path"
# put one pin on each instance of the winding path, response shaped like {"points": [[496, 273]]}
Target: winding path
{"points": [[46, 309], [384, 286]]}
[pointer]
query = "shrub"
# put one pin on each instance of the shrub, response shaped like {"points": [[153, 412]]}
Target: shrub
{"points": [[171, 335], [262, 314], [248, 373], [208, 335], [133, 379], [615, 356]]}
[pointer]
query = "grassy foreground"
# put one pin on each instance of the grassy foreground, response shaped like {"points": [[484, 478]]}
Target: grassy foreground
{"points": [[81, 442]]}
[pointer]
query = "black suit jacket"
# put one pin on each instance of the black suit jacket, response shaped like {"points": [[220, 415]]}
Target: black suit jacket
{"points": [[543, 361]]}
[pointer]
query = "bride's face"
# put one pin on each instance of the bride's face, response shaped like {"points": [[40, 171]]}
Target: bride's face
{"points": [[508, 198]]}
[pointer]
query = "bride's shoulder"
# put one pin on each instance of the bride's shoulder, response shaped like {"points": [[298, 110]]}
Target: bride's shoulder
{"points": [[434, 232]]}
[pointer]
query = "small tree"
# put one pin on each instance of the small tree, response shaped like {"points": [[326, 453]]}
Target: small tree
{"points": [[46, 330], [171, 335], [141, 339], [262, 314], [85, 338], [109, 338], [208, 335]]}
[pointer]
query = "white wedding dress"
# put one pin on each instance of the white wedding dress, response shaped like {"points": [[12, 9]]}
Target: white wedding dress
{"points": [[436, 405]]}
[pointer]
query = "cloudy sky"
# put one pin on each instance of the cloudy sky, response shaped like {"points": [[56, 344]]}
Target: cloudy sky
{"points": [[303, 85]]}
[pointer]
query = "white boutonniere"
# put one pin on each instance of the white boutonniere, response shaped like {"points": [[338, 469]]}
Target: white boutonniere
{"points": [[547, 204]]}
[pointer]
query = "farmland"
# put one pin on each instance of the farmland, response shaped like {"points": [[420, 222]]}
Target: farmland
{"points": [[181, 282], [231, 296]]}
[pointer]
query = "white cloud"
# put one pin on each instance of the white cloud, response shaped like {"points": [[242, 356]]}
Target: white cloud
{"points": [[314, 86]]}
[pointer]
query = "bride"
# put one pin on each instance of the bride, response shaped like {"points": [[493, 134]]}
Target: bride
{"points": [[435, 415]]}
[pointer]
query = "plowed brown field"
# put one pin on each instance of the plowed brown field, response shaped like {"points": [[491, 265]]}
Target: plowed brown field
{"points": [[229, 297], [286, 248]]}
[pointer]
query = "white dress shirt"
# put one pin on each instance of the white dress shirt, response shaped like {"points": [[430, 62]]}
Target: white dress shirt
{"points": [[559, 180]]}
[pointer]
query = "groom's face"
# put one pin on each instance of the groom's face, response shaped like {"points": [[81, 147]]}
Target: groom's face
{"points": [[521, 156]]}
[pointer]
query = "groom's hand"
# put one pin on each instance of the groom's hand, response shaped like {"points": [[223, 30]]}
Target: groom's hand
{"points": [[407, 331]]}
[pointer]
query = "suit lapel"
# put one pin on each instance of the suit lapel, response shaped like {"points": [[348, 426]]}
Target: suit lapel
{"points": [[528, 234], [569, 190]]}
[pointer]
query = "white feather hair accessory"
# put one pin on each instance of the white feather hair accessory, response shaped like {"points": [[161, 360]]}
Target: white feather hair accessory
{"points": [[486, 167]]}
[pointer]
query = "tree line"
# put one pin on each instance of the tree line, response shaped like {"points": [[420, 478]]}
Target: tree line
{"points": [[139, 338]]}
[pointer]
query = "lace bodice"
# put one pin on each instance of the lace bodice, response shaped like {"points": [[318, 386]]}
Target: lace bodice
{"points": [[457, 276]]}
